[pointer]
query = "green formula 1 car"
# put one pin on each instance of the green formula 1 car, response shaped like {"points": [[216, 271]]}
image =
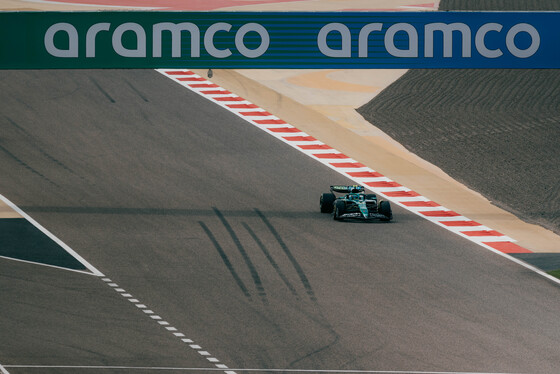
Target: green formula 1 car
{"points": [[354, 204]]}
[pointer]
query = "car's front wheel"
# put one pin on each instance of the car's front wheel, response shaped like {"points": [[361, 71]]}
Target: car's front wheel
{"points": [[327, 202], [338, 210], [385, 209]]}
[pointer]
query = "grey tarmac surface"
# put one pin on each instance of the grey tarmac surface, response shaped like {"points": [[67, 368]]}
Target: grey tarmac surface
{"points": [[215, 226], [57, 317]]}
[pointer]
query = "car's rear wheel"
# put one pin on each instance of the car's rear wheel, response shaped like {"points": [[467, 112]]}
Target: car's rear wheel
{"points": [[385, 209], [327, 202], [338, 210]]}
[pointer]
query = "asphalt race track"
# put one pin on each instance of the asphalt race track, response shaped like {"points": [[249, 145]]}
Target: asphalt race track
{"points": [[215, 226]]}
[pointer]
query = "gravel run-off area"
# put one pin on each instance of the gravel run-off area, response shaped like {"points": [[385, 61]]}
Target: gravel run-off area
{"points": [[495, 130]]}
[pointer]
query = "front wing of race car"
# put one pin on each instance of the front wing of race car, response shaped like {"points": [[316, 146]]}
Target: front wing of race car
{"points": [[361, 210], [360, 215]]}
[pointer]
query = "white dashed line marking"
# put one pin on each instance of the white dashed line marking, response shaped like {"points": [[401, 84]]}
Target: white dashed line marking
{"points": [[144, 308], [233, 371]]}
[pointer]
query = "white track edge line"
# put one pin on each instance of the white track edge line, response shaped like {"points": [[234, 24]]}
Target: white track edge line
{"points": [[93, 270], [522, 263], [331, 371], [3, 370], [89, 266], [47, 265]]}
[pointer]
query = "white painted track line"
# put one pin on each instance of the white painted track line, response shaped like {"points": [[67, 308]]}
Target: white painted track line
{"points": [[115, 286], [186, 369], [88, 266], [168, 327], [3, 370]]}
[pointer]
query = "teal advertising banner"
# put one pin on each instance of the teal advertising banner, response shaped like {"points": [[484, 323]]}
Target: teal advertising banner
{"points": [[255, 40]]}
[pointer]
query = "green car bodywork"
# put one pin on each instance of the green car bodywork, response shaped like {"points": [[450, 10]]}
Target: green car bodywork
{"points": [[355, 203]]}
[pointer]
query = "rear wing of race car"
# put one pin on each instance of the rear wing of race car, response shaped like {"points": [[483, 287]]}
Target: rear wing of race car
{"points": [[347, 189]]}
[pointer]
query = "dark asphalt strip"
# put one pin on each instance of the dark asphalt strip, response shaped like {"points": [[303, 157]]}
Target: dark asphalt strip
{"points": [[20, 240]]}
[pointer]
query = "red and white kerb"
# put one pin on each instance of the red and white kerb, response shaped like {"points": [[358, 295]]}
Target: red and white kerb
{"points": [[354, 170]]}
